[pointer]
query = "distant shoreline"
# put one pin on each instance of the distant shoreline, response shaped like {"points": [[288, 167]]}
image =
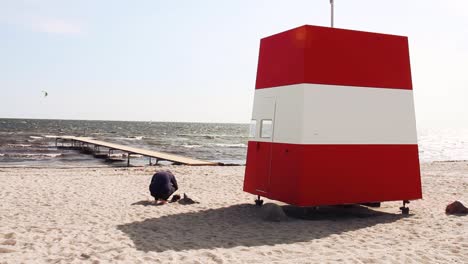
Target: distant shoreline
{"points": [[116, 120]]}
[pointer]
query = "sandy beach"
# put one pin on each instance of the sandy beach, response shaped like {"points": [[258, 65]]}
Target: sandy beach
{"points": [[103, 215]]}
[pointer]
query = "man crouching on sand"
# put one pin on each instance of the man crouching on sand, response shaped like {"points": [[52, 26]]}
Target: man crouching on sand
{"points": [[163, 184]]}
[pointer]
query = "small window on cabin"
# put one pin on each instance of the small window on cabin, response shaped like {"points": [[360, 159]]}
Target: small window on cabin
{"points": [[253, 128], [267, 128]]}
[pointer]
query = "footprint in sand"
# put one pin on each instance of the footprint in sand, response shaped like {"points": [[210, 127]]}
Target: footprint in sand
{"points": [[9, 235], [6, 250], [9, 242]]}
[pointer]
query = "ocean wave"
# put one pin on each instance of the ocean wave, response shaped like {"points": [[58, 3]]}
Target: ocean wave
{"points": [[128, 138], [240, 145], [191, 146], [232, 136], [198, 136], [31, 155], [116, 155], [133, 155], [18, 145], [124, 155], [212, 136], [35, 137]]}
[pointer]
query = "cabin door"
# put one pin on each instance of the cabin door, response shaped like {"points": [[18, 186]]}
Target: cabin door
{"points": [[266, 119]]}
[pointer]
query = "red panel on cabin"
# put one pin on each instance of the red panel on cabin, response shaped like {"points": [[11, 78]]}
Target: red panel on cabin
{"points": [[283, 184], [310, 175], [286, 166], [251, 162], [338, 174], [322, 55]]}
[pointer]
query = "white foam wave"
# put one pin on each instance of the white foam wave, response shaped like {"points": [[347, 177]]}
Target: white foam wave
{"points": [[18, 145], [119, 155], [124, 155], [129, 138], [191, 146], [32, 155], [198, 135], [53, 155], [133, 155], [34, 137], [213, 136], [240, 145]]}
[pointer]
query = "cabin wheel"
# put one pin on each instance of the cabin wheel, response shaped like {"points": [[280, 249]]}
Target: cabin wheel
{"points": [[404, 209], [258, 201]]}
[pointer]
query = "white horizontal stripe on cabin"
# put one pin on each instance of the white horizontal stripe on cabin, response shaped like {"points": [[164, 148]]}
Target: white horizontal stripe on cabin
{"points": [[334, 114]]}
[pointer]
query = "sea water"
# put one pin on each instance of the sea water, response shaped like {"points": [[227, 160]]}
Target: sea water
{"points": [[31, 142]]}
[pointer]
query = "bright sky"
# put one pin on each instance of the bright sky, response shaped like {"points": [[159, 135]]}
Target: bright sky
{"points": [[196, 61]]}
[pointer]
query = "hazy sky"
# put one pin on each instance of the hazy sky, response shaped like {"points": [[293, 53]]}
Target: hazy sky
{"points": [[190, 60]]}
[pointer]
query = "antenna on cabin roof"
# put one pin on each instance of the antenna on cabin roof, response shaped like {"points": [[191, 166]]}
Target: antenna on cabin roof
{"points": [[331, 5]]}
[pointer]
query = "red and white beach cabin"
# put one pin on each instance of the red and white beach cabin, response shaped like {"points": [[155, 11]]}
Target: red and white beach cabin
{"points": [[333, 119]]}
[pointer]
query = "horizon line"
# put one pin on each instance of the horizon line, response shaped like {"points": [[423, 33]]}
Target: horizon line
{"points": [[115, 120]]}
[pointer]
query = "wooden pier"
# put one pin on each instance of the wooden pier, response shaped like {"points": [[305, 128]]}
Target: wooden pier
{"points": [[85, 142]]}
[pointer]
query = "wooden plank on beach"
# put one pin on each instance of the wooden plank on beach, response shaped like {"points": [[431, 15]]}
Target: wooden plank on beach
{"points": [[149, 153]]}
